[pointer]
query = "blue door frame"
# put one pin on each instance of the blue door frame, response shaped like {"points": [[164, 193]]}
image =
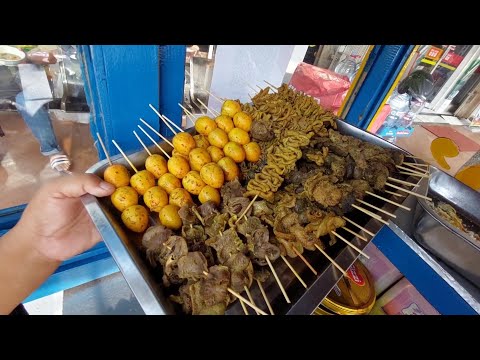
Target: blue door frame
{"points": [[383, 66]]}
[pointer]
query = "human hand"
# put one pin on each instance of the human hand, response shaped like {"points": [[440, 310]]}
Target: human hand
{"points": [[56, 221]]}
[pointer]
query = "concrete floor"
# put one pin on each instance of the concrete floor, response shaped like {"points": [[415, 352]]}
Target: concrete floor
{"points": [[23, 168]]}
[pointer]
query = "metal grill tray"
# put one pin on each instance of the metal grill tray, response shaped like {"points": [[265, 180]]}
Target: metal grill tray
{"points": [[145, 282], [442, 239]]}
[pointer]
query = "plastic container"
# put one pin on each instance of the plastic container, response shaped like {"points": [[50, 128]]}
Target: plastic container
{"points": [[403, 299], [383, 273]]}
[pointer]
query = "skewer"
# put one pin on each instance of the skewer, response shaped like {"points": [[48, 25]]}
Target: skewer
{"points": [[427, 169], [402, 182], [354, 233], [387, 200], [243, 307], [377, 208], [156, 132], [359, 226], [251, 87], [331, 260], [293, 270], [271, 85], [265, 297], [278, 280], [394, 193], [241, 298], [247, 208], [171, 122], [141, 142], [189, 114], [104, 148], [151, 139], [414, 157], [259, 87], [250, 297], [125, 156], [409, 170], [409, 192], [161, 117], [209, 93], [413, 174], [208, 109], [415, 164], [350, 244], [375, 216], [304, 260]]}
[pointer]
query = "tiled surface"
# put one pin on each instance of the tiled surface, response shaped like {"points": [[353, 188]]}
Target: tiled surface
{"points": [[419, 145], [23, 168]]}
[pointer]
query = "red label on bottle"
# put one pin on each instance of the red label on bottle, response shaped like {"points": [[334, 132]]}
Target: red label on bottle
{"points": [[355, 276]]}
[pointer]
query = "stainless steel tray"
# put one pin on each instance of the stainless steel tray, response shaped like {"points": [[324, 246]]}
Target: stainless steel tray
{"points": [[442, 239], [145, 282]]}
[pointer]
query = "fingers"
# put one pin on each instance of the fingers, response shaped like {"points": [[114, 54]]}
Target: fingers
{"points": [[79, 184]]}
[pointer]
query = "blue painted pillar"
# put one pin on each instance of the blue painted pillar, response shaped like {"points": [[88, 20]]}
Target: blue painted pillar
{"points": [[172, 80], [385, 64], [120, 82]]}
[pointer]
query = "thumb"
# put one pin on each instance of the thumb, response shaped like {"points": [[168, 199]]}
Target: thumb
{"points": [[80, 184]]}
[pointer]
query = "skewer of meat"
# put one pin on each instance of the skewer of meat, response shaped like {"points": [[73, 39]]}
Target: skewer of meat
{"points": [[246, 209], [293, 271], [394, 193], [240, 297], [154, 142], [287, 299], [410, 170], [413, 174], [304, 260], [260, 286], [359, 226], [417, 166], [156, 132]]}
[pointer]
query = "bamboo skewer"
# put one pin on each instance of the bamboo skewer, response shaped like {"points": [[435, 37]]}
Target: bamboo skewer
{"points": [[354, 233], [208, 109], [161, 117], [293, 271], [104, 148], [416, 164], [265, 297], [394, 193], [377, 208], [413, 174], [247, 208], [125, 156], [417, 167], [350, 244], [304, 260], [413, 157], [245, 311], [375, 216], [141, 142], [410, 170], [359, 226], [156, 132], [215, 97], [387, 200], [250, 297], [171, 122], [278, 280], [154, 142], [241, 298], [190, 116], [402, 182], [331, 260], [409, 192], [271, 85]]}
